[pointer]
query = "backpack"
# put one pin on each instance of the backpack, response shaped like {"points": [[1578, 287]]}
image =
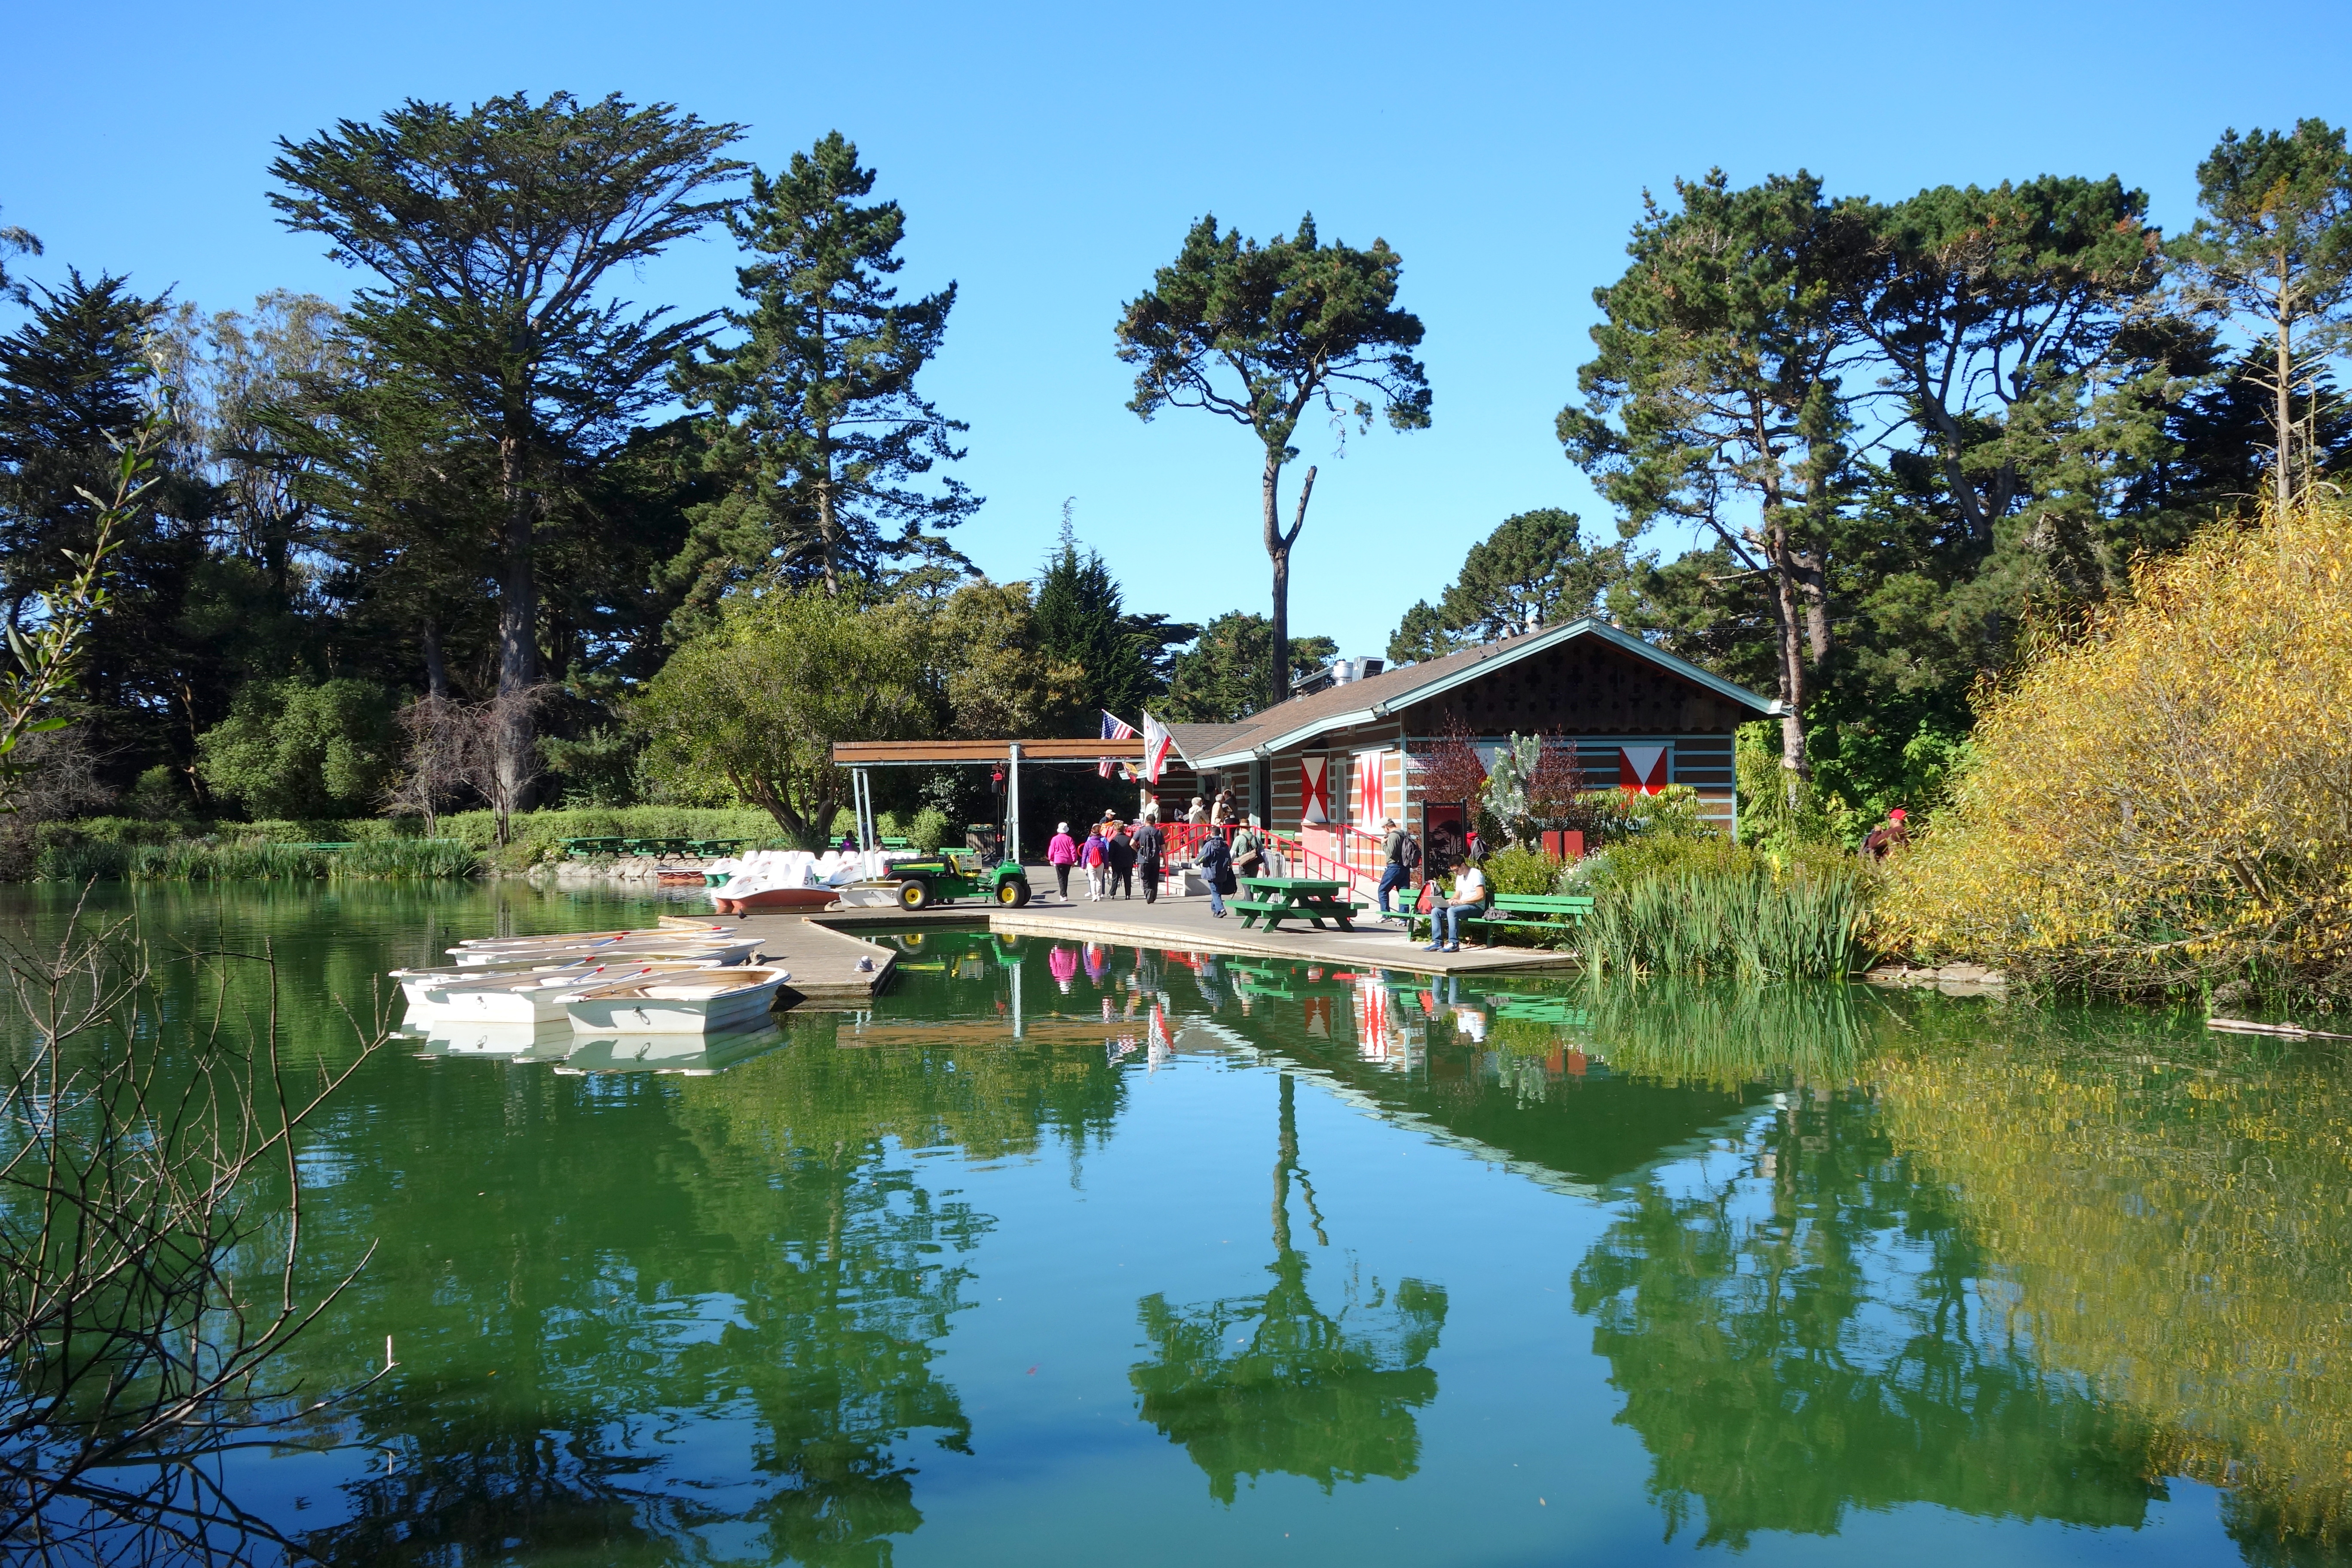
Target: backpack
{"points": [[1412, 856]]}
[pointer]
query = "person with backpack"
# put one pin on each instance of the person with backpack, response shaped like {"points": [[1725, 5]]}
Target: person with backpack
{"points": [[1403, 855], [1095, 856], [1216, 867], [1249, 849], [1151, 844]]}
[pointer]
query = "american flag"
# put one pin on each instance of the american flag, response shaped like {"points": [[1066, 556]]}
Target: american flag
{"points": [[1113, 728]]}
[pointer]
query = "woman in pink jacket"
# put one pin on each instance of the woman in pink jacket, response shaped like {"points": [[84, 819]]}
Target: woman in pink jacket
{"points": [[1062, 854]]}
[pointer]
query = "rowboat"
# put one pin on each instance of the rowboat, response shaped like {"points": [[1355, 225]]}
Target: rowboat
{"points": [[535, 996], [413, 982], [701, 1002], [773, 898], [716, 949], [671, 926]]}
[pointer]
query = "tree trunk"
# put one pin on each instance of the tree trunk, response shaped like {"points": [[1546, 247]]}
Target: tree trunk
{"points": [[1793, 626], [518, 629], [436, 670], [2281, 409], [1278, 550]]}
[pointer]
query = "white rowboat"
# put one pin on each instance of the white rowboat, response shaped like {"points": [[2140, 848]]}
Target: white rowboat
{"points": [[704, 1001], [534, 996], [721, 950]]}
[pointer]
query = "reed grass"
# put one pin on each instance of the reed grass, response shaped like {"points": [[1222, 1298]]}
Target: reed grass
{"points": [[202, 860], [1720, 909]]}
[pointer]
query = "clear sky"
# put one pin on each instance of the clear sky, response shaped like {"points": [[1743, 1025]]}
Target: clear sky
{"points": [[1050, 158]]}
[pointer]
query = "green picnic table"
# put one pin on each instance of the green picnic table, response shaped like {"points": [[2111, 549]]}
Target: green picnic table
{"points": [[1284, 899]]}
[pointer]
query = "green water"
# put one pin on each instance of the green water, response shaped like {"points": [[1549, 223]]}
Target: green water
{"points": [[1069, 1255]]}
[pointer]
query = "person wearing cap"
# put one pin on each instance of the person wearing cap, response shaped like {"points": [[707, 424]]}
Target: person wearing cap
{"points": [[1062, 853], [1397, 873], [1885, 839]]}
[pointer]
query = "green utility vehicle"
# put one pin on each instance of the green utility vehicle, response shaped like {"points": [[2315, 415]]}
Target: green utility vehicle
{"points": [[954, 874]]}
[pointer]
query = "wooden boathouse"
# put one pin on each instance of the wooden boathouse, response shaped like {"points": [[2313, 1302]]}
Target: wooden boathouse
{"points": [[1328, 765]]}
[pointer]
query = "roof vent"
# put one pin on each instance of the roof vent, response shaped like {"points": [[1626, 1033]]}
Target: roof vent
{"points": [[1369, 667], [1343, 671]]}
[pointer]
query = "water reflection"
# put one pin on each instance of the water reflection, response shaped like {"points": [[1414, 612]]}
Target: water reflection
{"points": [[1839, 1252], [1251, 1385]]}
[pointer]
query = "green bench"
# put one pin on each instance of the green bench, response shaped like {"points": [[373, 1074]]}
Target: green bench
{"points": [[1540, 909], [698, 848]]}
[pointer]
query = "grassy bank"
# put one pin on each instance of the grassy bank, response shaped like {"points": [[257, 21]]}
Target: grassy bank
{"points": [[129, 848], [198, 860]]}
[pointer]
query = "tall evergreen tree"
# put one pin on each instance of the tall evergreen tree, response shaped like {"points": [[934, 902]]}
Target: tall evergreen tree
{"points": [[494, 232], [1534, 568], [815, 425], [73, 381], [1260, 333], [1716, 389], [1082, 622], [1225, 674], [2274, 249]]}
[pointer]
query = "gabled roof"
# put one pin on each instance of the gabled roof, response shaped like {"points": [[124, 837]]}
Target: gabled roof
{"points": [[1375, 697]]}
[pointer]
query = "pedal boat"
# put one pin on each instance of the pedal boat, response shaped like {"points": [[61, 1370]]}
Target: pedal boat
{"points": [[734, 949]]}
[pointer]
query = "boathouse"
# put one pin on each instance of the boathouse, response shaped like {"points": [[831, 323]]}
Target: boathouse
{"points": [[1329, 764]]}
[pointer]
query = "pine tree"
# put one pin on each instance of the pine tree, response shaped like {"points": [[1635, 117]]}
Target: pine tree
{"points": [[815, 421]]}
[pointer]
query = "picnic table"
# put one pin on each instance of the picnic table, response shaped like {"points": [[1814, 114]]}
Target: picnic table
{"points": [[1281, 899]]}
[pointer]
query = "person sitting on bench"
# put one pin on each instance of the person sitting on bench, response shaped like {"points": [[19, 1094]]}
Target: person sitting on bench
{"points": [[1445, 920]]}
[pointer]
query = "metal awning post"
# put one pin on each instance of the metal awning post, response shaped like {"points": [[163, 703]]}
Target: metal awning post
{"points": [[861, 795], [1013, 809]]}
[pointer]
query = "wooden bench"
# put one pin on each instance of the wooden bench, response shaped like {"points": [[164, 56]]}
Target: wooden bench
{"points": [[1549, 911]]}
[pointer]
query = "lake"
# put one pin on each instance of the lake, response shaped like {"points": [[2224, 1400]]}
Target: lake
{"points": [[1065, 1254]]}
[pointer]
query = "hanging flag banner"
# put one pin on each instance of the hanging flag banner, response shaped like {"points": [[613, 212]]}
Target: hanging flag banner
{"points": [[1157, 743], [1641, 768], [1371, 790], [1314, 794], [1113, 728]]}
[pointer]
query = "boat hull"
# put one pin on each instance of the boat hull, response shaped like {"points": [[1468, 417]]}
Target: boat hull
{"points": [[742, 1009], [773, 899]]}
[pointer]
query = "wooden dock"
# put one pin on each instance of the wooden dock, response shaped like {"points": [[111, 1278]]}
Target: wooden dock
{"points": [[823, 962]]}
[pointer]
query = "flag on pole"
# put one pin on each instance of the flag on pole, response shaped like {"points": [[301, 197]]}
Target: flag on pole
{"points": [[1157, 743], [1113, 728]]}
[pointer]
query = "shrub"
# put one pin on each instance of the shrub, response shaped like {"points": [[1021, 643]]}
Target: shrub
{"points": [[1521, 869], [293, 748], [927, 829], [406, 859], [2159, 803]]}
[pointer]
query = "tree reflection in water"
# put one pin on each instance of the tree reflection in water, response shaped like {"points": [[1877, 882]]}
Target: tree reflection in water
{"points": [[1801, 1326], [1252, 1385]]}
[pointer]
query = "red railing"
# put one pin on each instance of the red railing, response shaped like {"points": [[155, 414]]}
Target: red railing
{"points": [[1299, 858]]}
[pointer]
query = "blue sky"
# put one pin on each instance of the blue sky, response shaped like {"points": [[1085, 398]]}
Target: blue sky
{"points": [[1049, 158]]}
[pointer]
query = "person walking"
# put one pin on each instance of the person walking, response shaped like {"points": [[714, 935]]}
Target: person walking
{"points": [[1151, 844], [1216, 867], [1062, 853], [1221, 815], [1094, 856], [1445, 920], [1249, 849], [1404, 853], [1121, 850], [1199, 813]]}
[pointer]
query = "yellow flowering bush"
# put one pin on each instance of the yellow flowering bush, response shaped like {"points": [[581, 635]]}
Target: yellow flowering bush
{"points": [[2166, 800]]}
